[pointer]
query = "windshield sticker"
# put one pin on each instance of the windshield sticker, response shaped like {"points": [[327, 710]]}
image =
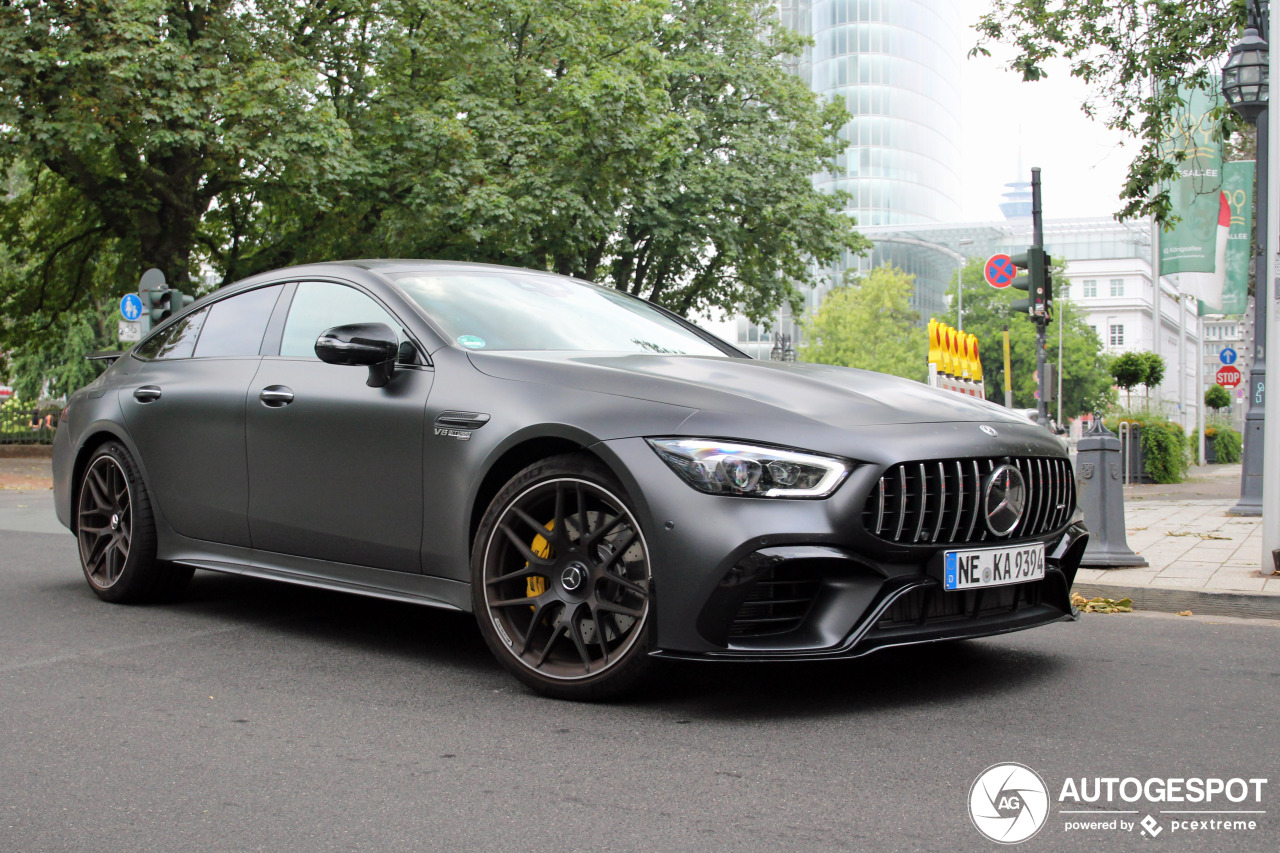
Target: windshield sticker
{"points": [[471, 341]]}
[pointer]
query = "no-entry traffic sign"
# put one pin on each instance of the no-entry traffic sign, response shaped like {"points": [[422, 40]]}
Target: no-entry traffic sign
{"points": [[1000, 271], [1228, 377]]}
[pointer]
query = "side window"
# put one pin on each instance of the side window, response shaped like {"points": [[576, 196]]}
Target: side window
{"points": [[320, 305], [235, 325], [177, 341]]}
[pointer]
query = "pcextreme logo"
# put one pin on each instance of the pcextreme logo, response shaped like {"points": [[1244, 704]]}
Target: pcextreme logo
{"points": [[1009, 803]]}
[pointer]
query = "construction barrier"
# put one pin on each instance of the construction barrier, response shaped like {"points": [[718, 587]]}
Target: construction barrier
{"points": [[954, 363]]}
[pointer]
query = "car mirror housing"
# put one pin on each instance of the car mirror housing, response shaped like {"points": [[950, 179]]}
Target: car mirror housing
{"points": [[372, 345]]}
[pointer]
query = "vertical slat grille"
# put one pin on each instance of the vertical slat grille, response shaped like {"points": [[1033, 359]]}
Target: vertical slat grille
{"points": [[940, 501]]}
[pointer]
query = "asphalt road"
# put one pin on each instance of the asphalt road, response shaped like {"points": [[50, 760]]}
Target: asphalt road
{"points": [[255, 716]]}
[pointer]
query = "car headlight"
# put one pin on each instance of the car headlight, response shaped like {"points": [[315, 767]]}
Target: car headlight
{"points": [[726, 468]]}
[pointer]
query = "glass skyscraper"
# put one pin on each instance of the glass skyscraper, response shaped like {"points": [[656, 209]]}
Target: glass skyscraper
{"points": [[896, 66]]}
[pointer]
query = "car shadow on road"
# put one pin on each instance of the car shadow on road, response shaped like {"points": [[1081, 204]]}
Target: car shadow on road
{"points": [[894, 678]]}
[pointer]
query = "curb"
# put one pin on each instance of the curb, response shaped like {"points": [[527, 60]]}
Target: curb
{"points": [[1201, 602], [26, 451]]}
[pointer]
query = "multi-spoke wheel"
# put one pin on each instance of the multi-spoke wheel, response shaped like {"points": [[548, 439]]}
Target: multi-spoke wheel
{"points": [[116, 532], [561, 581]]}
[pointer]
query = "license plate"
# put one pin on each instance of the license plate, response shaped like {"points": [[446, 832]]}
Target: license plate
{"points": [[975, 568]]}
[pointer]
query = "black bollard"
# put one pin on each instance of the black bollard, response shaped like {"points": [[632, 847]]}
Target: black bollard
{"points": [[1102, 500]]}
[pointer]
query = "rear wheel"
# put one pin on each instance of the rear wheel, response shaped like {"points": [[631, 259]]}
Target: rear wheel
{"points": [[116, 532], [561, 581]]}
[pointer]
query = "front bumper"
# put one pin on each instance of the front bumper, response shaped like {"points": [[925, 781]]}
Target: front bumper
{"points": [[751, 579]]}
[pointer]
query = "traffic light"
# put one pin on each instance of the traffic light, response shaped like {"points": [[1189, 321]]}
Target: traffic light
{"points": [[162, 304], [1035, 282]]}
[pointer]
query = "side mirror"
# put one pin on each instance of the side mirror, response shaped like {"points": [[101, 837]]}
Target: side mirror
{"points": [[373, 345]]}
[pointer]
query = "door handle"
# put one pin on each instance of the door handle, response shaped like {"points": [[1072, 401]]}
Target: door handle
{"points": [[147, 393], [276, 396]]}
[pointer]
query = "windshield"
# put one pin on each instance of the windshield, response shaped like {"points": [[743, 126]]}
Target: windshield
{"points": [[498, 310]]}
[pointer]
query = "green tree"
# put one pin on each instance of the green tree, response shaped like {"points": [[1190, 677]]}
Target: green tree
{"points": [[58, 366], [1132, 369], [1216, 397], [1086, 384], [869, 324], [1136, 56], [1155, 370], [656, 145]]}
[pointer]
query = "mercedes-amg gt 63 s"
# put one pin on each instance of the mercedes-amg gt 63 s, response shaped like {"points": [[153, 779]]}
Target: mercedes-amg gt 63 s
{"points": [[602, 483]]}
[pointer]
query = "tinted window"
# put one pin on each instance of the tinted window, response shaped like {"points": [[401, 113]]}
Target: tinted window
{"points": [[176, 341], [319, 305], [532, 311], [235, 325]]}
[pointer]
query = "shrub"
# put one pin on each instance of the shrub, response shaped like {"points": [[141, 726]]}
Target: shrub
{"points": [[1228, 444], [1166, 455]]}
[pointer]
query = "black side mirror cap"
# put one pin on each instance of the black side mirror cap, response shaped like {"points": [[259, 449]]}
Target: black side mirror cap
{"points": [[372, 345]]}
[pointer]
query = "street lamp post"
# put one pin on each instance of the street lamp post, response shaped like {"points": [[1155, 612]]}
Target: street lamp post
{"points": [[1245, 85]]}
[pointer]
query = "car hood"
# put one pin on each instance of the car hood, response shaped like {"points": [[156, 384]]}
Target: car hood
{"points": [[837, 396]]}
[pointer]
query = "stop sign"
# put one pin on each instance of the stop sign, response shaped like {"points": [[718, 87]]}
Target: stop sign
{"points": [[1228, 376]]}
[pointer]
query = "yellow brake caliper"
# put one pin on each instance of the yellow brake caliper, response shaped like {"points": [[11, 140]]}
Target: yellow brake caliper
{"points": [[536, 585]]}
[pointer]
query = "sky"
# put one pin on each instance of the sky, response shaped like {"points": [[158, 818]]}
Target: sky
{"points": [[1082, 164]]}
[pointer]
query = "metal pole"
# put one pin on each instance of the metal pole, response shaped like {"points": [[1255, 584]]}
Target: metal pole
{"points": [[1251, 469], [1037, 240], [1269, 272], [1182, 361], [1008, 376], [960, 294], [1200, 383], [1155, 296], [1060, 325]]}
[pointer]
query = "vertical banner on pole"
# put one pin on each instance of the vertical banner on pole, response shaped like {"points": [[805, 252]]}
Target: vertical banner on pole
{"points": [[1194, 253]]}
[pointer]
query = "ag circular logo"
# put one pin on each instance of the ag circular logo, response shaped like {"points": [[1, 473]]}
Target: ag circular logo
{"points": [[1008, 803]]}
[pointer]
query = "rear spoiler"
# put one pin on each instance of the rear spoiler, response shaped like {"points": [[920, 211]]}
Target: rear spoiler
{"points": [[109, 355]]}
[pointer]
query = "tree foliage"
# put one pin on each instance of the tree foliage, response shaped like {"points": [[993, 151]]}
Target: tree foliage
{"points": [[1086, 383], [1137, 367], [1138, 57], [869, 324], [1217, 397], [656, 145]]}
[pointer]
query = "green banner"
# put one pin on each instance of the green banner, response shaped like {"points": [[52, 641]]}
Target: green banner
{"points": [[1237, 186], [1193, 253]]}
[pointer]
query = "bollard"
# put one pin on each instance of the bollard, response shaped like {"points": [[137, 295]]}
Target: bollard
{"points": [[1102, 499]]}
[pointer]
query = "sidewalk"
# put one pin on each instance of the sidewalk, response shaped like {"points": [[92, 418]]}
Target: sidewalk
{"points": [[1201, 559]]}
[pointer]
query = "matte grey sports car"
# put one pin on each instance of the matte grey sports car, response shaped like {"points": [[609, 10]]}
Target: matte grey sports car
{"points": [[599, 481]]}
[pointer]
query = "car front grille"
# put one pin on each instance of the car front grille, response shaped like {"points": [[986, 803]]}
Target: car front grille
{"points": [[935, 606], [940, 501], [778, 602]]}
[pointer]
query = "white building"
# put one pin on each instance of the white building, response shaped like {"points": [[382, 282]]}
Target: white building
{"points": [[1117, 299]]}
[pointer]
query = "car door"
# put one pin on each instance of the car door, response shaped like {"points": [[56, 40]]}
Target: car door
{"points": [[335, 466], [185, 409]]}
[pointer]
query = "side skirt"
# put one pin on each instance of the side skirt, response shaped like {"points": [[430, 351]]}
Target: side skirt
{"points": [[305, 571]]}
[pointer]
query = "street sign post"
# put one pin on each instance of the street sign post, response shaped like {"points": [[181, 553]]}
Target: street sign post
{"points": [[1227, 356], [1228, 376], [999, 271], [131, 307]]}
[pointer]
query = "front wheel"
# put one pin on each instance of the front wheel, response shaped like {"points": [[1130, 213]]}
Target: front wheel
{"points": [[561, 581]]}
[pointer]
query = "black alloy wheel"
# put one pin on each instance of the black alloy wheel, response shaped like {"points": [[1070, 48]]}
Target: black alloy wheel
{"points": [[562, 583], [116, 532]]}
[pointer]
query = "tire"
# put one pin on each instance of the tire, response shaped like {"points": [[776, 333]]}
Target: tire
{"points": [[561, 583], [116, 532]]}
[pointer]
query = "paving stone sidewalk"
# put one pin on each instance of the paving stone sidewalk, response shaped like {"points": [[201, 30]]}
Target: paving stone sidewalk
{"points": [[1200, 558]]}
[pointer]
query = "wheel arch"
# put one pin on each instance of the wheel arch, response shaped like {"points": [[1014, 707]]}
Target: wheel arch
{"points": [[96, 436], [513, 460]]}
